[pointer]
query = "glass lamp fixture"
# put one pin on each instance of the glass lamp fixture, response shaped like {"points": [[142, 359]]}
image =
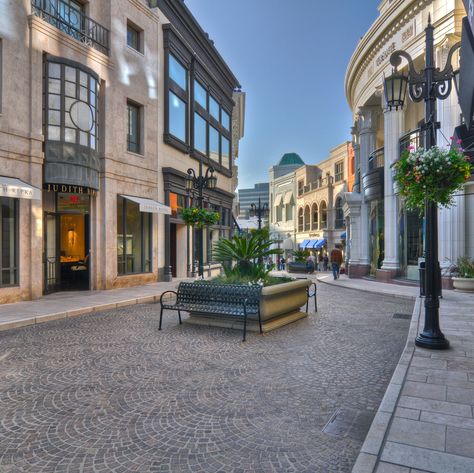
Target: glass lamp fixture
{"points": [[395, 90]]}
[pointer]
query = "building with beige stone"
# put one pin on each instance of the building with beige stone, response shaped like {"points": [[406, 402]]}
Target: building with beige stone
{"points": [[320, 223], [105, 105], [385, 240]]}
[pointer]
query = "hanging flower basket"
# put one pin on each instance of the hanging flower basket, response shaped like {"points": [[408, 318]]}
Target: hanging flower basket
{"points": [[200, 218], [435, 174]]}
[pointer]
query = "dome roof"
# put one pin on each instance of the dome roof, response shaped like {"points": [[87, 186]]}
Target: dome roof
{"points": [[290, 159]]}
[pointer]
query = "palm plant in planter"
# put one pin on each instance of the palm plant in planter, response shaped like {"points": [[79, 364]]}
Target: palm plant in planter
{"points": [[299, 263], [465, 281], [241, 258]]}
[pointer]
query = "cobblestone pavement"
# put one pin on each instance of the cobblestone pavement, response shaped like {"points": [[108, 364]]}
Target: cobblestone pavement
{"points": [[109, 393]]}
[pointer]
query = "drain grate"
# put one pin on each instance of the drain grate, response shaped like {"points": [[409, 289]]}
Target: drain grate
{"points": [[346, 422], [402, 316]]}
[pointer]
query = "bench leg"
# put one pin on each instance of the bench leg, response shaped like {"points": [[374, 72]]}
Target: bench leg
{"points": [[315, 303], [260, 321], [245, 326], [161, 317], [179, 315]]}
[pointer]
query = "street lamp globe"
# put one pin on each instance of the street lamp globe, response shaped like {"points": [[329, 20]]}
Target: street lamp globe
{"points": [[212, 181], [395, 90]]}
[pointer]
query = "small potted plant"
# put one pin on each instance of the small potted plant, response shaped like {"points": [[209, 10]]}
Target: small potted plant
{"points": [[465, 281]]}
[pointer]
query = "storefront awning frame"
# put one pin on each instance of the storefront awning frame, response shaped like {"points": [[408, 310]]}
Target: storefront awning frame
{"points": [[18, 189], [149, 205]]}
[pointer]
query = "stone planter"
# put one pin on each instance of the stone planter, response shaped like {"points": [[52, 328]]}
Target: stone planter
{"points": [[295, 267], [463, 284], [279, 305]]}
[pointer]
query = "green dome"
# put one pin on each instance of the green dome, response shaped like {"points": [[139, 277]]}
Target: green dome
{"points": [[290, 159]]}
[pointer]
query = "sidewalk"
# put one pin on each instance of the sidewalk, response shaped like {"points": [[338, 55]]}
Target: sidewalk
{"points": [[425, 423], [68, 304]]}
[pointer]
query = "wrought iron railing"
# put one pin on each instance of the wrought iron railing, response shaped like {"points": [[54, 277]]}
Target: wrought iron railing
{"points": [[376, 159], [411, 139], [62, 15]]}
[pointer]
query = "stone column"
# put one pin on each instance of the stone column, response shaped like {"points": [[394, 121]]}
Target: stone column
{"points": [[351, 208], [368, 118], [393, 129], [451, 222]]}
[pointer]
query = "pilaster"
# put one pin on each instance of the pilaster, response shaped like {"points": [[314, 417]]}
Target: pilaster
{"points": [[393, 128]]}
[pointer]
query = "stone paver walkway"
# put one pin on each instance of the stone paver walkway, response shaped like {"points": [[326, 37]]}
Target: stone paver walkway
{"points": [[108, 393], [425, 423], [61, 305]]}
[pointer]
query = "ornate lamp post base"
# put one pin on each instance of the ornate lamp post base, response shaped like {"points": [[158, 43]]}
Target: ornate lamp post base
{"points": [[432, 340]]}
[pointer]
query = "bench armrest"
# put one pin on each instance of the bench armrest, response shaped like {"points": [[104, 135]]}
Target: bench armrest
{"points": [[167, 292]]}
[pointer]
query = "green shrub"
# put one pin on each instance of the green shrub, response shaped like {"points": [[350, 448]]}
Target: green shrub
{"points": [[466, 267]]}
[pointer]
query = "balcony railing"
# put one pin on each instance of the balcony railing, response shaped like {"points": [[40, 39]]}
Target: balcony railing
{"points": [[62, 15], [376, 159], [412, 138], [312, 186]]}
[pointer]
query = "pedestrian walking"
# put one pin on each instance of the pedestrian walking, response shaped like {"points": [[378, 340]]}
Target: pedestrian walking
{"points": [[310, 264], [325, 262], [282, 263], [336, 261]]}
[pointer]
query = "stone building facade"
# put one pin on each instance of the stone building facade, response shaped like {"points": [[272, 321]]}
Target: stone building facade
{"points": [[320, 188], [104, 107], [282, 198], [385, 239]]}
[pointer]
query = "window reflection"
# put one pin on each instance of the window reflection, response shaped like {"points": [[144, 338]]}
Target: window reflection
{"points": [[200, 95], [177, 117], [200, 134], [225, 152], [177, 72], [213, 144], [214, 108]]}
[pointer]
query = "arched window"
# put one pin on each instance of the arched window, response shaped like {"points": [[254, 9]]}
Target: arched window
{"points": [[323, 213], [300, 219], [315, 217], [307, 219], [339, 221]]}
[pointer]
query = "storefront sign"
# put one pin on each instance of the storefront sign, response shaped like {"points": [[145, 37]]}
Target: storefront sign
{"points": [[69, 189], [73, 202]]}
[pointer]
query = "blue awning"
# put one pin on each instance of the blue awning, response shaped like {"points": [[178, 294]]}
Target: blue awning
{"points": [[343, 235], [319, 244], [304, 243]]}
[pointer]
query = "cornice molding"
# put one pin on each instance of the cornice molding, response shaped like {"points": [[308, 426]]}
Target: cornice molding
{"points": [[145, 9], [197, 39], [377, 36]]}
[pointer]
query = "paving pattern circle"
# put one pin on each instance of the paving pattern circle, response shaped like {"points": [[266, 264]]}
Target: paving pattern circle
{"points": [[110, 393]]}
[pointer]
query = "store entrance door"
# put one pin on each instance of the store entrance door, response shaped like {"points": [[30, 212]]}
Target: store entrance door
{"points": [[66, 252]]}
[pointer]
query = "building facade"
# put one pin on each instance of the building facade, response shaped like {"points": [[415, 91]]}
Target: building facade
{"points": [[282, 190], [247, 197], [385, 239], [320, 189], [112, 103]]}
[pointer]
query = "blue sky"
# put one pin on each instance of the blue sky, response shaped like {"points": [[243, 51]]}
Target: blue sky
{"points": [[290, 58]]}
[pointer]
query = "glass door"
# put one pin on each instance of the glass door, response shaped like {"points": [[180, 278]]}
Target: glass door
{"points": [[52, 273]]}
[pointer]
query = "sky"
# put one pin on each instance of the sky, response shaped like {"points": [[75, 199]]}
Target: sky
{"points": [[290, 58]]}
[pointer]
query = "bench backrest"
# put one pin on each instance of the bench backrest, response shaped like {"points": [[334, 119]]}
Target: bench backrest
{"points": [[215, 294]]}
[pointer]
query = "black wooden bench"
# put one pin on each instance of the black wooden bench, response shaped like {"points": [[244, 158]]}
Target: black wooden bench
{"points": [[226, 299]]}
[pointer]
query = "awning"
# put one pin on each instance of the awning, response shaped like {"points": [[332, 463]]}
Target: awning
{"points": [[278, 200], [149, 205], [15, 188], [319, 244], [288, 198], [343, 235], [304, 243]]}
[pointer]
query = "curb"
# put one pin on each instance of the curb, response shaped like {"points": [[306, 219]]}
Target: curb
{"points": [[371, 450], [33, 320], [368, 291]]}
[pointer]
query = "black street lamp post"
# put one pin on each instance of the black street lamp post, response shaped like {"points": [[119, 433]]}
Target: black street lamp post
{"points": [[260, 211], [428, 85], [199, 183]]}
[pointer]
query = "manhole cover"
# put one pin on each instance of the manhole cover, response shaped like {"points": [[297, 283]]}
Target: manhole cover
{"points": [[402, 316], [346, 422]]}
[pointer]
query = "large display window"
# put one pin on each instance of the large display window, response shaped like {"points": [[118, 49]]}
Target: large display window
{"points": [[8, 241]]}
